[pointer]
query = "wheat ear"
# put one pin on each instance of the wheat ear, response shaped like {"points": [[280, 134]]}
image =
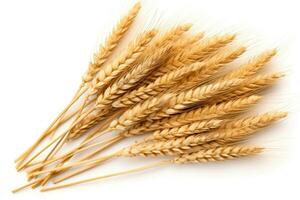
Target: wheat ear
{"points": [[252, 85], [139, 112], [246, 126], [218, 111], [111, 42], [124, 62], [252, 67], [195, 127], [218, 154], [192, 97]]}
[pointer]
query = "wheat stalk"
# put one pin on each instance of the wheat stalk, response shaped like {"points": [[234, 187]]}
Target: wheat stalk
{"points": [[215, 154], [234, 132]]}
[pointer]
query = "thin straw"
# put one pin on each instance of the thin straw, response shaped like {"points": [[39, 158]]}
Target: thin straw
{"points": [[157, 164]]}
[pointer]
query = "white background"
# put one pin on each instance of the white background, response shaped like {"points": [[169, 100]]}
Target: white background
{"points": [[45, 47]]}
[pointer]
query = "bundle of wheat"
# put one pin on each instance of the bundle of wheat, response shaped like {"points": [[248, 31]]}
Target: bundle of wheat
{"points": [[169, 87]]}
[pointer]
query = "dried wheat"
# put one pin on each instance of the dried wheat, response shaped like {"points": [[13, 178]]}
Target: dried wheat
{"points": [[217, 111], [111, 42], [192, 97], [139, 112], [172, 78], [218, 154], [124, 62], [252, 67]]}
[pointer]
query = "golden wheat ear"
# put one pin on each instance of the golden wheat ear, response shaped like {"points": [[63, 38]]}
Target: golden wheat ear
{"points": [[111, 43], [218, 154]]}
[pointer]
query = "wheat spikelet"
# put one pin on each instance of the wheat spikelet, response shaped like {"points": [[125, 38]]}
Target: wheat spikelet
{"points": [[139, 112], [206, 72], [252, 67], [192, 97], [205, 146], [252, 85], [249, 125], [131, 79], [217, 111], [218, 154], [195, 54], [195, 127], [172, 78], [124, 62], [111, 42]]}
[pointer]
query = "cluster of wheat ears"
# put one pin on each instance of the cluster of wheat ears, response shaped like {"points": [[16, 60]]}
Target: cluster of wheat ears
{"points": [[170, 87]]}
